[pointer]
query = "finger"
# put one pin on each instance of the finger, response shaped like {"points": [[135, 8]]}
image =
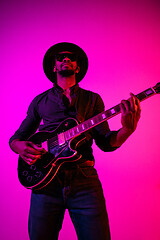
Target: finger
{"points": [[137, 106], [132, 100], [32, 150], [32, 157], [28, 160], [138, 114], [122, 108], [137, 102], [125, 105], [34, 146]]}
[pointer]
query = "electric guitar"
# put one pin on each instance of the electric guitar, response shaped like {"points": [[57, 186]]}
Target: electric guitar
{"points": [[62, 145]]}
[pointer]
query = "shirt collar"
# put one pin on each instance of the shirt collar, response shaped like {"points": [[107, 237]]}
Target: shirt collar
{"points": [[74, 89]]}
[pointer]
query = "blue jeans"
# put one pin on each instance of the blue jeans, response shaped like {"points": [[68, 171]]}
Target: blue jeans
{"points": [[78, 190]]}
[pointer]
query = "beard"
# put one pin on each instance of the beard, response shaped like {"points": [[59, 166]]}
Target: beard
{"points": [[66, 73]]}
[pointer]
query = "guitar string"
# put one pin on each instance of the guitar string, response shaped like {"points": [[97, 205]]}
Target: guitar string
{"points": [[53, 144], [87, 125], [53, 141]]}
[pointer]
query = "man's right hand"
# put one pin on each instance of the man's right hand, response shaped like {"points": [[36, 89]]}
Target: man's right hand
{"points": [[27, 150]]}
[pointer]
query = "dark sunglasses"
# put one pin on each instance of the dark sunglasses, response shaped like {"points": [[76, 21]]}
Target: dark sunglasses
{"points": [[61, 56]]}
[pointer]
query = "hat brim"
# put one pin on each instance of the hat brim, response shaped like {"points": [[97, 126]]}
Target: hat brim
{"points": [[49, 60]]}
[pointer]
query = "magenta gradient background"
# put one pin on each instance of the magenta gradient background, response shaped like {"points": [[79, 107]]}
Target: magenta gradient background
{"points": [[122, 41]]}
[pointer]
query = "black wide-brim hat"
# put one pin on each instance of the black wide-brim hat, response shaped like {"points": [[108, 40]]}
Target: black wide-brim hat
{"points": [[49, 60]]}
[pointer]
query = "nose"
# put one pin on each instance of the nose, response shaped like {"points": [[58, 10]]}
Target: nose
{"points": [[66, 59]]}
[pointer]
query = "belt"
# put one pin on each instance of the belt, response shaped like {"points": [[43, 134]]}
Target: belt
{"points": [[74, 165], [88, 163]]}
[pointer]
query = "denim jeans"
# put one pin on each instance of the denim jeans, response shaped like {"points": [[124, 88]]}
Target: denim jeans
{"points": [[78, 190]]}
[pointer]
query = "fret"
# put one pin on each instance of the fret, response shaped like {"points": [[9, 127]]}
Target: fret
{"points": [[103, 115], [73, 132], [98, 118], [70, 132], [92, 121], [117, 108], [77, 129], [66, 135], [112, 111], [81, 127], [145, 94], [149, 92], [108, 114], [141, 96], [86, 125]]}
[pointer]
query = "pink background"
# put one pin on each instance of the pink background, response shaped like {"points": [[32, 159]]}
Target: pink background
{"points": [[122, 41]]}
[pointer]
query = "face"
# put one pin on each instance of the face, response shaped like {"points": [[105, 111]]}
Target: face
{"points": [[66, 64]]}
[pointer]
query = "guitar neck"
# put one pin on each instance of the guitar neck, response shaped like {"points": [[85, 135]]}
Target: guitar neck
{"points": [[101, 117]]}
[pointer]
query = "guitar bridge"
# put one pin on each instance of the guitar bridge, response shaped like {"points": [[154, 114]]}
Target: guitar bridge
{"points": [[61, 139]]}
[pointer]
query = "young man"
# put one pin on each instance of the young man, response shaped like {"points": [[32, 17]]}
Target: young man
{"points": [[76, 186]]}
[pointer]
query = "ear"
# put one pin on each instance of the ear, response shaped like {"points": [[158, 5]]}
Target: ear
{"points": [[54, 69], [77, 69]]}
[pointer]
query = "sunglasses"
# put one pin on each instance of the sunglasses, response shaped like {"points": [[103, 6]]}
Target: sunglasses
{"points": [[61, 56]]}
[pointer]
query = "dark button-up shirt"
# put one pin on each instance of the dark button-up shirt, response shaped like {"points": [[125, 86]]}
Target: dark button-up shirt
{"points": [[52, 106]]}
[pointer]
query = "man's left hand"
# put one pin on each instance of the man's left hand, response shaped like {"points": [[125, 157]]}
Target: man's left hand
{"points": [[131, 112]]}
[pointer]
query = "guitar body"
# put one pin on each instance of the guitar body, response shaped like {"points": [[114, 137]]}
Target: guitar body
{"points": [[39, 174], [63, 144]]}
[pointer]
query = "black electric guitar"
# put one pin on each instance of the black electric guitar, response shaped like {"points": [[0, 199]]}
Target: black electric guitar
{"points": [[62, 145]]}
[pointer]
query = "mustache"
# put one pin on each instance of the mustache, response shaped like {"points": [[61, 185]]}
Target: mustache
{"points": [[66, 64]]}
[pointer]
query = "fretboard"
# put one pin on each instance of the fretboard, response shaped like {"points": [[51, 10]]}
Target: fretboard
{"points": [[101, 117]]}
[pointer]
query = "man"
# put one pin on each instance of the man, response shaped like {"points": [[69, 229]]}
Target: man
{"points": [[76, 186]]}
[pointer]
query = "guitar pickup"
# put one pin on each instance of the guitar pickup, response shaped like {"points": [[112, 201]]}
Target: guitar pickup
{"points": [[61, 139]]}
